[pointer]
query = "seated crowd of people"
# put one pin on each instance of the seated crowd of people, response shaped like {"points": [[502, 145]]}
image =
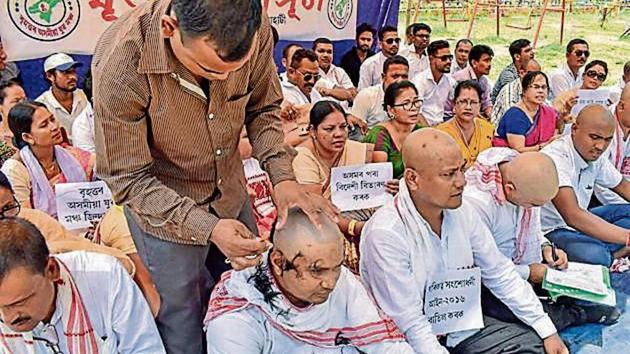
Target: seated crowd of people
{"points": [[507, 177]]}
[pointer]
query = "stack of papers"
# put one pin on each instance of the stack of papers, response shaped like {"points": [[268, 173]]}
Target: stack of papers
{"points": [[581, 281]]}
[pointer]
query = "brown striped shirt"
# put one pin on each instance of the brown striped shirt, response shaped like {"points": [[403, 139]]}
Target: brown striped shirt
{"points": [[168, 152]]}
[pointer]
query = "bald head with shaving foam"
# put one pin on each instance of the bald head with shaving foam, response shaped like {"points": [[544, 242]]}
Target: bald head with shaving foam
{"points": [[305, 260], [530, 179]]}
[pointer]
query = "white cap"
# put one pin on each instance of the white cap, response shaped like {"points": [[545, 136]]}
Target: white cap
{"points": [[60, 61]]}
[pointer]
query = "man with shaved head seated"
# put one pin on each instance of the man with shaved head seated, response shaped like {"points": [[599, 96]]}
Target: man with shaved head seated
{"points": [[425, 231], [601, 234], [300, 299], [506, 190]]}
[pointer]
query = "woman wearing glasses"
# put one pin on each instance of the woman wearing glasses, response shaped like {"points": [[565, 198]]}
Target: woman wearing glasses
{"points": [[594, 75], [403, 108], [472, 133], [531, 123], [330, 147]]}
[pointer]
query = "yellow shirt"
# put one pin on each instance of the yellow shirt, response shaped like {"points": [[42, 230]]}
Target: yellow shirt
{"points": [[481, 138]]}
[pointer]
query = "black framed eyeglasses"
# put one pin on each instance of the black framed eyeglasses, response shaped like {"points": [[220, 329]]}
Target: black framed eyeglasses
{"points": [[50, 338], [10, 210], [410, 105]]}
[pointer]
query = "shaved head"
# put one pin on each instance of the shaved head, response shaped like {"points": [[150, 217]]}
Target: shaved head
{"points": [[426, 148], [593, 131], [306, 261], [434, 170], [595, 115], [299, 234], [530, 178]]}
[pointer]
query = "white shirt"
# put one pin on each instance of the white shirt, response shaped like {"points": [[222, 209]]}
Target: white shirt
{"points": [[116, 307], [455, 67], [619, 155], [433, 95], [615, 91], [563, 80], [392, 266], [371, 71], [83, 130], [417, 63], [337, 76], [502, 221], [578, 174], [294, 95], [368, 105], [65, 118]]}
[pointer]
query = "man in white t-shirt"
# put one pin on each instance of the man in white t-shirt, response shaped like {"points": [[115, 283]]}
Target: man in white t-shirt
{"points": [[368, 105], [75, 302], [601, 234], [300, 299]]}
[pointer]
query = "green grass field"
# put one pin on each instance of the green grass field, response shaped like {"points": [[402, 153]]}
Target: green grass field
{"points": [[605, 43]]}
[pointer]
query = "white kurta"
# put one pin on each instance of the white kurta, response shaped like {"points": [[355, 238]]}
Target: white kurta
{"points": [[503, 222], [294, 95], [563, 80], [115, 306], [396, 267], [579, 175]]}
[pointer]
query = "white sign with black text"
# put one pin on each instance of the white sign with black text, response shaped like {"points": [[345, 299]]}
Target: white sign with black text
{"points": [[361, 186], [79, 204]]}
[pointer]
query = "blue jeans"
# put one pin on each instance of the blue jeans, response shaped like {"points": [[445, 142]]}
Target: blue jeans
{"points": [[586, 249]]}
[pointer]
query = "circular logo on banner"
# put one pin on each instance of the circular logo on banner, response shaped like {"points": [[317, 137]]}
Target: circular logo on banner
{"points": [[45, 20], [339, 12]]}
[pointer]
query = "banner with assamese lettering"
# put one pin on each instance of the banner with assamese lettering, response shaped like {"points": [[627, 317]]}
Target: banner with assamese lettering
{"points": [[305, 20], [37, 28]]}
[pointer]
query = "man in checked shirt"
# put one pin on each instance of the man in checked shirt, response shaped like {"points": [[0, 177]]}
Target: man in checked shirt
{"points": [[174, 83]]}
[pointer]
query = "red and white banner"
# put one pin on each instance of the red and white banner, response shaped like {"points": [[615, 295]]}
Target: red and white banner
{"points": [[306, 20], [37, 28]]}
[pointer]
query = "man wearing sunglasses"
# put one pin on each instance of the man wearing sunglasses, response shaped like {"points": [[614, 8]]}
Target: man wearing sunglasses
{"points": [[435, 83], [371, 69], [416, 54], [569, 75], [76, 302]]}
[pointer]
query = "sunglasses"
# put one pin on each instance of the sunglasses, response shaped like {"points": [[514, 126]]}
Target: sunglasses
{"points": [[579, 53], [391, 41], [448, 57], [309, 77], [595, 75]]}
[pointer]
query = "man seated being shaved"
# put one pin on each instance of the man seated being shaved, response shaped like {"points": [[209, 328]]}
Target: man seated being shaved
{"points": [[300, 299], [424, 236], [506, 190]]}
